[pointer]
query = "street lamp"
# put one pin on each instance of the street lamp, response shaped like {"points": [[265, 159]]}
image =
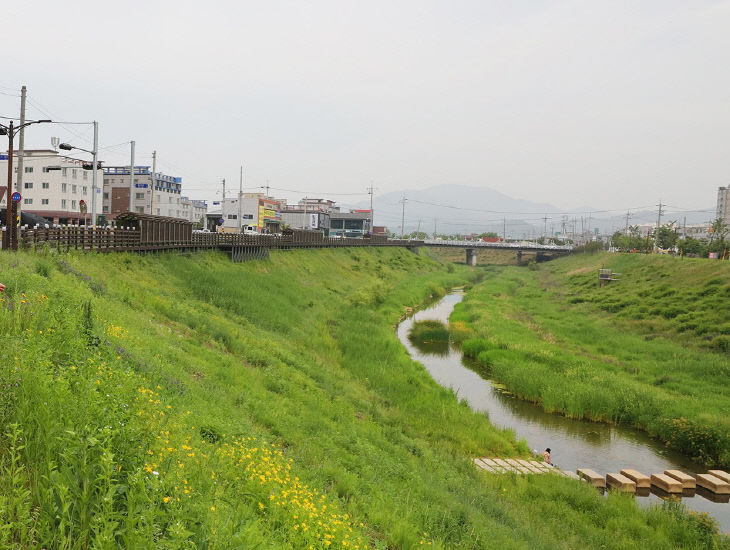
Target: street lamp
{"points": [[10, 130], [94, 167]]}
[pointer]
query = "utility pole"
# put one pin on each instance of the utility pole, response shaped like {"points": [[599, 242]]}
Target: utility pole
{"points": [[153, 180], [21, 150], [628, 215], [267, 189], [240, 200], [590, 229], [504, 229], [403, 217], [131, 179], [418, 233], [544, 229], [94, 173], [371, 191], [434, 227], [658, 221]]}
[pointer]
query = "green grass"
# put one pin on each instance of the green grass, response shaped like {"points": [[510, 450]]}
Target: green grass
{"points": [[183, 401], [429, 331], [612, 354]]}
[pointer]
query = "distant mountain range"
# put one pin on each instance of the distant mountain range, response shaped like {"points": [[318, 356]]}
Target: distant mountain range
{"points": [[465, 209]]}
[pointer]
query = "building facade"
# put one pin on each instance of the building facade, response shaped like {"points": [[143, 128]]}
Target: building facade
{"points": [[194, 210], [356, 223], [154, 193], [723, 204], [55, 186], [252, 213]]}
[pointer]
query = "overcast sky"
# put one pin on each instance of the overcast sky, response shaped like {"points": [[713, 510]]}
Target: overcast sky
{"points": [[608, 104]]}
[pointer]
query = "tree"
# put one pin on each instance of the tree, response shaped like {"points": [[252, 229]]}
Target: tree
{"points": [[488, 235], [718, 233], [666, 235]]}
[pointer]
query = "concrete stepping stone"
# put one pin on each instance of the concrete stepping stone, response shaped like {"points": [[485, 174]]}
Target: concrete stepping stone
{"points": [[483, 465], [621, 483], [517, 466], [591, 477], [666, 483], [687, 481], [570, 475], [540, 465], [531, 467], [506, 466], [712, 483], [642, 481], [719, 474]]}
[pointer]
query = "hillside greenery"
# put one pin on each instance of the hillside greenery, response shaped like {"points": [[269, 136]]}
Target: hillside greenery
{"points": [[183, 401], [649, 350]]}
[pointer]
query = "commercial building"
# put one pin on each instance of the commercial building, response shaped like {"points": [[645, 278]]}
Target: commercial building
{"points": [[165, 201], [723, 204], [355, 223], [309, 214], [54, 186], [254, 213]]}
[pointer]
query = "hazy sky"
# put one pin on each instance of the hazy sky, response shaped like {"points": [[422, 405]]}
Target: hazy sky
{"points": [[608, 104]]}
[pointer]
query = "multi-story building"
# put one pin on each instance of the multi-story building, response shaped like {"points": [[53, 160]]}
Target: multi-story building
{"points": [[164, 201], [309, 214], [723, 204], [194, 210], [255, 213], [54, 186]]}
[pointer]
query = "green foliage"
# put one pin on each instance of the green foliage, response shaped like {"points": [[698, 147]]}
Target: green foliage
{"points": [[429, 331], [183, 401]]}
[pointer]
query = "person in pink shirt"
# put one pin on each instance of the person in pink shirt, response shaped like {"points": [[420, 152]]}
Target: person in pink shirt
{"points": [[546, 456]]}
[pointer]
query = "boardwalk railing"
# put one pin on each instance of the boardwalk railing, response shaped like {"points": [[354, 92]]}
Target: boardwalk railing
{"points": [[108, 239]]}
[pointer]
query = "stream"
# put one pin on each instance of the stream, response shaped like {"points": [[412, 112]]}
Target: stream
{"points": [[575, 444]]}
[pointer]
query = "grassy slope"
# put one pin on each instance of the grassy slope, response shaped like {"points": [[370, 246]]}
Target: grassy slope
{"points": [[178, 401], [638, 351]]}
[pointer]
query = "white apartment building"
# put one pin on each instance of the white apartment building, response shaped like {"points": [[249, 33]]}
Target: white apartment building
{"points": [[723, 204], [256, 212], [194, 210], [165, 201], [54, 185]]}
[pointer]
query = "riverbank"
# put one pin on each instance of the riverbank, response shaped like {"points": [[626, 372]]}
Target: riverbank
{"points": [[552, 336], [183, 400]]}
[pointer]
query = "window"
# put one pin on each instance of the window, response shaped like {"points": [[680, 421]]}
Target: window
{"points": [[27, 201], [73, 205], [28, 170], [106, 196], [63, 203], [106, 180], [45, 169], [140, 209], [45, 185], [44, 201], [73, 188], [85, 190], [64, 172], [139, 196], [232, 217], [105, 208], [28, 185], [73, 173], [86, 175], [158, 211]]}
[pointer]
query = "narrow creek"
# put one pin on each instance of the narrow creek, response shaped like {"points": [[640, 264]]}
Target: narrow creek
{"points": [[574, 443]]}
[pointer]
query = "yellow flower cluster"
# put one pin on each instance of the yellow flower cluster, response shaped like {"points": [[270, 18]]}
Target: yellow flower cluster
{"points": [[240, 466], [115, 331]]}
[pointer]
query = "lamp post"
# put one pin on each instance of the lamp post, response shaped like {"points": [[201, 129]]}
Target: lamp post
{"points": [[10, 130], [94, 167]]}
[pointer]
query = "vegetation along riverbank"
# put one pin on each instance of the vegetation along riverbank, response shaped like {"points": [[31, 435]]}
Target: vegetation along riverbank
{"points": [[183, 401], [649, 350]]}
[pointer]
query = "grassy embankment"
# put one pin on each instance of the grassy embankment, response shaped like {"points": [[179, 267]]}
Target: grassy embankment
{"points": [[649, 350], [179, 402]]}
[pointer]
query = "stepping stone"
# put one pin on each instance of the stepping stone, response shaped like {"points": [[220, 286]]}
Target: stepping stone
{"points": [[517, 465], [482, 465], [489, 461], [504, 465], [526, 464], [666, 483], [540, 465], [719, 474], [714, 484], [687, 481], [642, 481], [591, 477], [621, 483], [570, 475]]}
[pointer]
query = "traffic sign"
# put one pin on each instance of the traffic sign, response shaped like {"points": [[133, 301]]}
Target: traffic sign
{"points": [[221, 220], [82, 206], [16, 197]]}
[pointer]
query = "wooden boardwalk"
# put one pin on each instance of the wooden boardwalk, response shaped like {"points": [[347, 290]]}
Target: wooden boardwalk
{"points": [[714, 485]]}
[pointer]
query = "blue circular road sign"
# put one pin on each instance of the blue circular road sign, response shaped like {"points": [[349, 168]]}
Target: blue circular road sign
{"points": [[15, 197]]}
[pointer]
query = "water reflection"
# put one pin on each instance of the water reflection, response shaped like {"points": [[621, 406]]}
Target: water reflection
{"points": [[574, 443]]}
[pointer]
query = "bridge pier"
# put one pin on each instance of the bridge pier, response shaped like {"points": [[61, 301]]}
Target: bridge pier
{"points": [[414, 249], [471, 257], [519, 257]]}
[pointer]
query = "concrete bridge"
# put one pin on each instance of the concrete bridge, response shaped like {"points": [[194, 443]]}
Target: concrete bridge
{"points": [[542, 251]]}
